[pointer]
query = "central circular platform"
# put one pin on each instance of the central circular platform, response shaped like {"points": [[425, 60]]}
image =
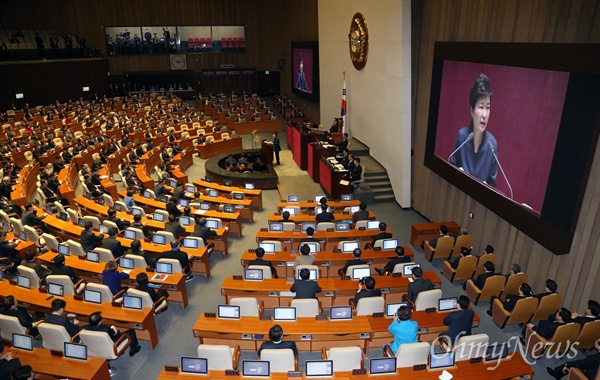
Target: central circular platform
{"points": [[263, 176]]}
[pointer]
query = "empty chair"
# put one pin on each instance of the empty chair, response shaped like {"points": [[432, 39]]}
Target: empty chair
{"points": [[470, 346], [69, 289], [219, 357], [522, 313], [4, 217], [548, 305], [94, 219], [108, 200], [39, 194], [360, 224], [560, 342], [493, 287], [168, 236], [225, 136], [17, 226], [185, 135], [73, 216], [201, 131], [466, 267], [281, 360], [441, 251], [51, 242], [344, 358], [266, 270], [210, 139], [428, 299], [513, 284], [370, 305], [159, 306], [124, 207], [105, 293], [31, 274], [75, 248], [409, 354], [10, 325], [306, 307], [325, 225], [29, 157], [104, 255], [249, 306], [33, 236]]}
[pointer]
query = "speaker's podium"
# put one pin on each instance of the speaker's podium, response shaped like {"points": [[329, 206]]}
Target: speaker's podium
{"points": [[266, 152]]}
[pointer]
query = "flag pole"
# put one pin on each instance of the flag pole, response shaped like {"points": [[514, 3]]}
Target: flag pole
{"points": [[343, 111]]}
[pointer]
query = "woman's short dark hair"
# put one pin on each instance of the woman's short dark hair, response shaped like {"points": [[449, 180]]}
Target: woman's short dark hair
{"points": [[480, 89], [142, 278], [403, 313], [276, 333]]}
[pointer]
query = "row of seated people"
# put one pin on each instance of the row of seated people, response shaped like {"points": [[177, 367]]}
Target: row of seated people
{"points": [[287, 107]]}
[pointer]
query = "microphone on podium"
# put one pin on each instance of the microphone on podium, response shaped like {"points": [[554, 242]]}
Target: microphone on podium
{"points": [[491, 146], [469, 138]]}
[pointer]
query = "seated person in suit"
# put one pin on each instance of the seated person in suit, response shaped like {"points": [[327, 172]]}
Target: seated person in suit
{"points": [[111, 243], [137, 223], [178, 191], [418, 285], [88, 239], [61, 269], [588, 365], [335, 126], [403, 329], [286, 217], [550, 287], [400, 259], [41, 270], [10, 306], [369, 291], [56, 318], [309, 233], [8, 250], [305, 288], [201, 231], [260, 253], [182, 257], [128, 200], [276, 341], [344, 143], [174, 227], [112, 216], [160, 188], [464, 252], [489, 269], [592, 313], [324, 215], [29, 218], [514, 269], [305, 258], [547, 328], [136, 249], [382, 234], [361, 214], [113, 332], [459, 322], [171, 207], [142, 284], [11, 367], [511, 300], [443, 232], [355, 261], [112, 278]]}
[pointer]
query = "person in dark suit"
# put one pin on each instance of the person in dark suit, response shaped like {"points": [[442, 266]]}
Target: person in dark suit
{"points": [[324, 215], [5, 187], [260, 253], [56, 318], [464, 252], [160, 188], [113, 332], [88, 239], [112, 216], [305, 288], [382, 234], [550, 287], [136, 249], [286, 217], [111, 243], [174, 227], [547, 328], [514, 269], [61, 269], [511, 300], [276, 341], [112, 278], [8, 250], [29, 218], [343, 144], [355, 261], [592, 313], [361, 214], [178, 190], [142, 284], [400, 259], [335, 127], [41, 270], [489, 269], [356, 172], [369, 291], [10, 307], [137, 223], [588, 365], [276, 147], [443, 232], [182, 257], [171, 207], [201, 231], [459, 322], [309, 239], [11, 367], [418, 285]]}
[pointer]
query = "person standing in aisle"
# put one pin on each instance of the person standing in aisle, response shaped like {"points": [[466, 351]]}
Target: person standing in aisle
{"points": [[276, 147]]}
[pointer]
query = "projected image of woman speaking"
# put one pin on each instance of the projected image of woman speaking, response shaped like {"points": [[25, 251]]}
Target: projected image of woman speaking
{"points": [[475, 150]]}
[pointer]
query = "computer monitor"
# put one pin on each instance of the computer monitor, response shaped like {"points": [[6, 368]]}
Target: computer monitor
{"points": [[173, 184], [373, 225], [63, 216], [346, 198], [228, 312], [229, 208], [349, 246], [290, 210], [255, 368], [354, 209], [5, 226], [313, 274], [314, 247], [87, 196], [92, 256], [159, 239], [391, 308], [249, 186], [56, 289], [49, 209], [337, 313], [379, 366], [305, 225], [238, 196], [389, 244], [23, 235], [190, 188], [496, 352], [227, 182], [253, 274], [319, 368], [407, 271], [212, 223], [447, 304], [276, 227], [183, 202], [342, 227], [166, 268], [24, 282], [212, 193], [81, 222], [441, 360], [358, 273], [197, 366], [118, 207], [318, 197], [92, 296], [100, 201], [293, 198], [163, 198], [147, 194], [130, 302], [75, 351], [125, 263], [158, 217], [103, 229], [64, 249], [129, 234], [184, 220], [268, 247], [190, 243], [284, 313], [22, 342], [208, 178], [136, 211]]}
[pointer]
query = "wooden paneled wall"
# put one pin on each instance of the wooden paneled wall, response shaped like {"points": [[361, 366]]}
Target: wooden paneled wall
{"points": [[547, 21], [271, 25]]}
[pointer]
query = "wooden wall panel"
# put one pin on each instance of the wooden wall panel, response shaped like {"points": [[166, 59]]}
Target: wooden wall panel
{"points": [[575, 21]]}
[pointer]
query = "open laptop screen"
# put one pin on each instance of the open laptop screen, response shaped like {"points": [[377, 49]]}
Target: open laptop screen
{"points": [[190, 189], [305, 225], [255, 368], [92, 296], [253, 274], [130, 302], [268, 247], [92, 256], [22, 342], [293, 198], [358, 273], [129, 234], [442, 360], [349, 246], [276, 226], [55, 289], [158, 217], [184, 220], [212, 223], [24, 282], [194, 365], [159, 239], [379, 366], [373, 224], [249, 186], [312, 276], [337, 313], [391, 308], [408, 269], [319, 368], [125, 263], [290, 210], [445, 304], [164, 268], [190, 243], [75, 351], [284, 313], [346, 197], [390, 243], [342, 227], [313, 247], [64, 249], [228, 311]]}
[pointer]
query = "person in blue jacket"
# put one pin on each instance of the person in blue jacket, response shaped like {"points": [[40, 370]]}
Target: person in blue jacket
{"points": [[403, 328]]}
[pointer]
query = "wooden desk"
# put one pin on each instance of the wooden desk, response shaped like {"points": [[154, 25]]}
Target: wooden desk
{"points": [[246, 127], [219, 147], [92, 272], [184, 159], [309, 205], [42, 362], [151, 159], [26, 184], [50, 157], [115, 159], [328, 240], [330, 178], [299, 136], [69, 179], [426, 231], [328, 261], [311, 218], [86, 158], [144, 176], [315, 152], [255, 195], [142, 321]]}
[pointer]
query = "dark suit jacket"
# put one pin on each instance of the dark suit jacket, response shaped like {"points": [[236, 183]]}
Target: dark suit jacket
{"points": [[356, 173], [153, 293], [480, 280], [381, 235], [203, 232], [418, 286], [360, 215], [71, 328], [366, 294], [65, 270], [114, 246], [121, 225], [325, 217], [588, 365], [353, 262], [284, 344], [547, 328], [265, 263], [458, 322], [582, 320], [179, 193], [40, 270], [542, 295], [175, 228], [305, 289], [141, 227], [88, 240], [510, 301], [389, 267], [433, 242], [343, 145], [172, 209], [30, 219], [24, 318], [178, 255]]}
